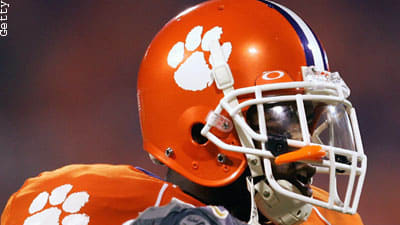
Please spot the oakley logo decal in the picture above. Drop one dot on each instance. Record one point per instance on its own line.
(273, 75)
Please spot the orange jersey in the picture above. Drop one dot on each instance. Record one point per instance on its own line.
(101, 194)
(318, 214)
(108, 195)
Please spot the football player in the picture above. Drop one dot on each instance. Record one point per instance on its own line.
(237, 99)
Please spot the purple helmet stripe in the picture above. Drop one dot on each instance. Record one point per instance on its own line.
(310, 55)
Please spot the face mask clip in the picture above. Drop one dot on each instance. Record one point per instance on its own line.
(220, 122)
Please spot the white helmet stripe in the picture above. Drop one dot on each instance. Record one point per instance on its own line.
(315, 55)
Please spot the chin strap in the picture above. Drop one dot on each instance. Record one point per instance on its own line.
(253, 211)
(280, 209)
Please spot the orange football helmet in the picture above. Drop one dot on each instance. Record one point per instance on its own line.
(213, 62)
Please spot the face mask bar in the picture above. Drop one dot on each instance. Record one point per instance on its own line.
(330, 93)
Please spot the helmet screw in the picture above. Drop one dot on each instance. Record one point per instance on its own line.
(266, 194)
(169, 152)
(221, 158)
(225, 125)
(254, 162)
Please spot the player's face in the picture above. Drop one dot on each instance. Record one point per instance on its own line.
(283, 124)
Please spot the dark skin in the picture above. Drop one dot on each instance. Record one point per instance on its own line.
(235, 196)
(283, 124)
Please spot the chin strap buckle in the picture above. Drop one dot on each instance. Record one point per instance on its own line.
(220, 70)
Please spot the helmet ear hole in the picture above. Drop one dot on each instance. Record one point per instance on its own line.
(196, 134)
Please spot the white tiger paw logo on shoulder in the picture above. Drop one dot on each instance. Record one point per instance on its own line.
(194, 73)
(59, 203)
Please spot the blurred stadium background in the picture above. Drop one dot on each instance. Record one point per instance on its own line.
(68, 85)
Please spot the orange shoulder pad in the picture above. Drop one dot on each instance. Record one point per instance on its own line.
(94, 194)
(331, 216)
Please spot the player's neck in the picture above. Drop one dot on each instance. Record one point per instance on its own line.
(233, 197)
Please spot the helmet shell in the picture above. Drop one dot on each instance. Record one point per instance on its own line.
(262, 38)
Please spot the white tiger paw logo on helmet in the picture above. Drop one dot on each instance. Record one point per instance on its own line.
(58, 202)
(194, 73)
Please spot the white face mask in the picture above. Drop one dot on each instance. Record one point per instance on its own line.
(317, 114)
